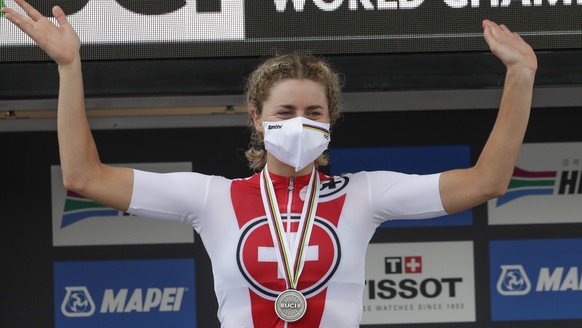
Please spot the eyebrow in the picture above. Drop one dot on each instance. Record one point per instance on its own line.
(311, 107)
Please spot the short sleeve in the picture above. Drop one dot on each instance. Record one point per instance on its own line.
(395, 196)
(170, 196)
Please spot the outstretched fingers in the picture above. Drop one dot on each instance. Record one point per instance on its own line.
(23, 22)
(61, 17)
(29, 10)
(58, 40)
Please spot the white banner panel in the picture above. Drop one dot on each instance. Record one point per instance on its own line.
(79, 221)
(419, 283)
(107, 22)
(546, 187)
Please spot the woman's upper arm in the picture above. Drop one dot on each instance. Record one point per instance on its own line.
(111, 186)
(463, 189)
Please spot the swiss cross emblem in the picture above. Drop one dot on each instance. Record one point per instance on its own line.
(258, 260)
(413, 264)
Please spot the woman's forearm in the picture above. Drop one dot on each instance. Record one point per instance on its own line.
(78, 153)
(489, 178)
(499, 156)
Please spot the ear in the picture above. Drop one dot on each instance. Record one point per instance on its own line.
(257, 120)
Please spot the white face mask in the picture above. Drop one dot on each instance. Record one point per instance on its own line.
(296, 142)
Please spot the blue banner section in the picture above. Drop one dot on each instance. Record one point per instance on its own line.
(412, 160)
(121, 294)
(536, 279)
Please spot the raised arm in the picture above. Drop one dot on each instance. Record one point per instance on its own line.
(490, 177)
(83, 172)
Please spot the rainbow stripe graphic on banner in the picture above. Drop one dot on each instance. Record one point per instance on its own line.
(78, 208)
(528, 183)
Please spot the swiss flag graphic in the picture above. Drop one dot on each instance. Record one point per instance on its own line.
(257, 255)
(413, 264)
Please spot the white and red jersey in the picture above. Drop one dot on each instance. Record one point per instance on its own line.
(230, 218)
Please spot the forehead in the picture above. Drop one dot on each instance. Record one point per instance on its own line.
(294, 91)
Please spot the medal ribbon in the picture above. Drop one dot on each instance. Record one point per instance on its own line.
(291, 262)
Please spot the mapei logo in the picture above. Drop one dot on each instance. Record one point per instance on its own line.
(514, 280)
(532, 183)
(79, 303)
(413, 284)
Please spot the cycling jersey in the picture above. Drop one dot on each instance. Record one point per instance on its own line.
(230, 218)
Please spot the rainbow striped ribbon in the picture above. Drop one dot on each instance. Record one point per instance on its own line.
(291, 262)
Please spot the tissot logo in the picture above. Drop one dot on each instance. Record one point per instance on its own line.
(410, 288)
(388, 289)
(411, 264)
(419, 283)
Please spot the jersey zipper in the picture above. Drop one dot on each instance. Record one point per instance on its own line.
(290, 189)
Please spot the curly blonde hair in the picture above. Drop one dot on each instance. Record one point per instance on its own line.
(282, 67)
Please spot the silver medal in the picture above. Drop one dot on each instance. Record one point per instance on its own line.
(290, 305)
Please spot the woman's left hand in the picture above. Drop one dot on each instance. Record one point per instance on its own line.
(509, 47)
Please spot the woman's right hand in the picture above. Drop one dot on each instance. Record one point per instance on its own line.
(60, 42)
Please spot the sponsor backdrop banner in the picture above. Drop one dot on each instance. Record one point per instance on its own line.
(121, 294)
(79, 221)
(411, 160)
(546, 187)
(190, 28)
(536, 279)
(419, 283)
(111, 21)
